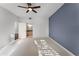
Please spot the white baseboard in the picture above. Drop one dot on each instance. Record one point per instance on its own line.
(63, 47)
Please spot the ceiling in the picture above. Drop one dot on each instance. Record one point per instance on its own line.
(46, 10)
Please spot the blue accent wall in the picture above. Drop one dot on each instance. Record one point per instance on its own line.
(64, 27)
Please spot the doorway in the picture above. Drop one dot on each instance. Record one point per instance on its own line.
(29, 30)
(23, 30)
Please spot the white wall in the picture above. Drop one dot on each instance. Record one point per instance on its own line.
(40, 26)
(7, 20)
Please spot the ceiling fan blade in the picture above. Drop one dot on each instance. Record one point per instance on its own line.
(29, 4)
(36, 7)
(34, 11)
(27, 11)
(22, 6)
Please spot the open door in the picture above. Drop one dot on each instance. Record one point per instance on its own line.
(22, 30)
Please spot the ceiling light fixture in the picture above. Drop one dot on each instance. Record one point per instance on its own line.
(30, 18)
(30, 9)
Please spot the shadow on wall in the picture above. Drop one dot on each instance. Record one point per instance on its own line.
(64, 27)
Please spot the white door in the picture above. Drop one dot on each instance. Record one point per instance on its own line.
(22, 30)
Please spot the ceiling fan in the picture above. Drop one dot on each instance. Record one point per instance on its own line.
(30, 8)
